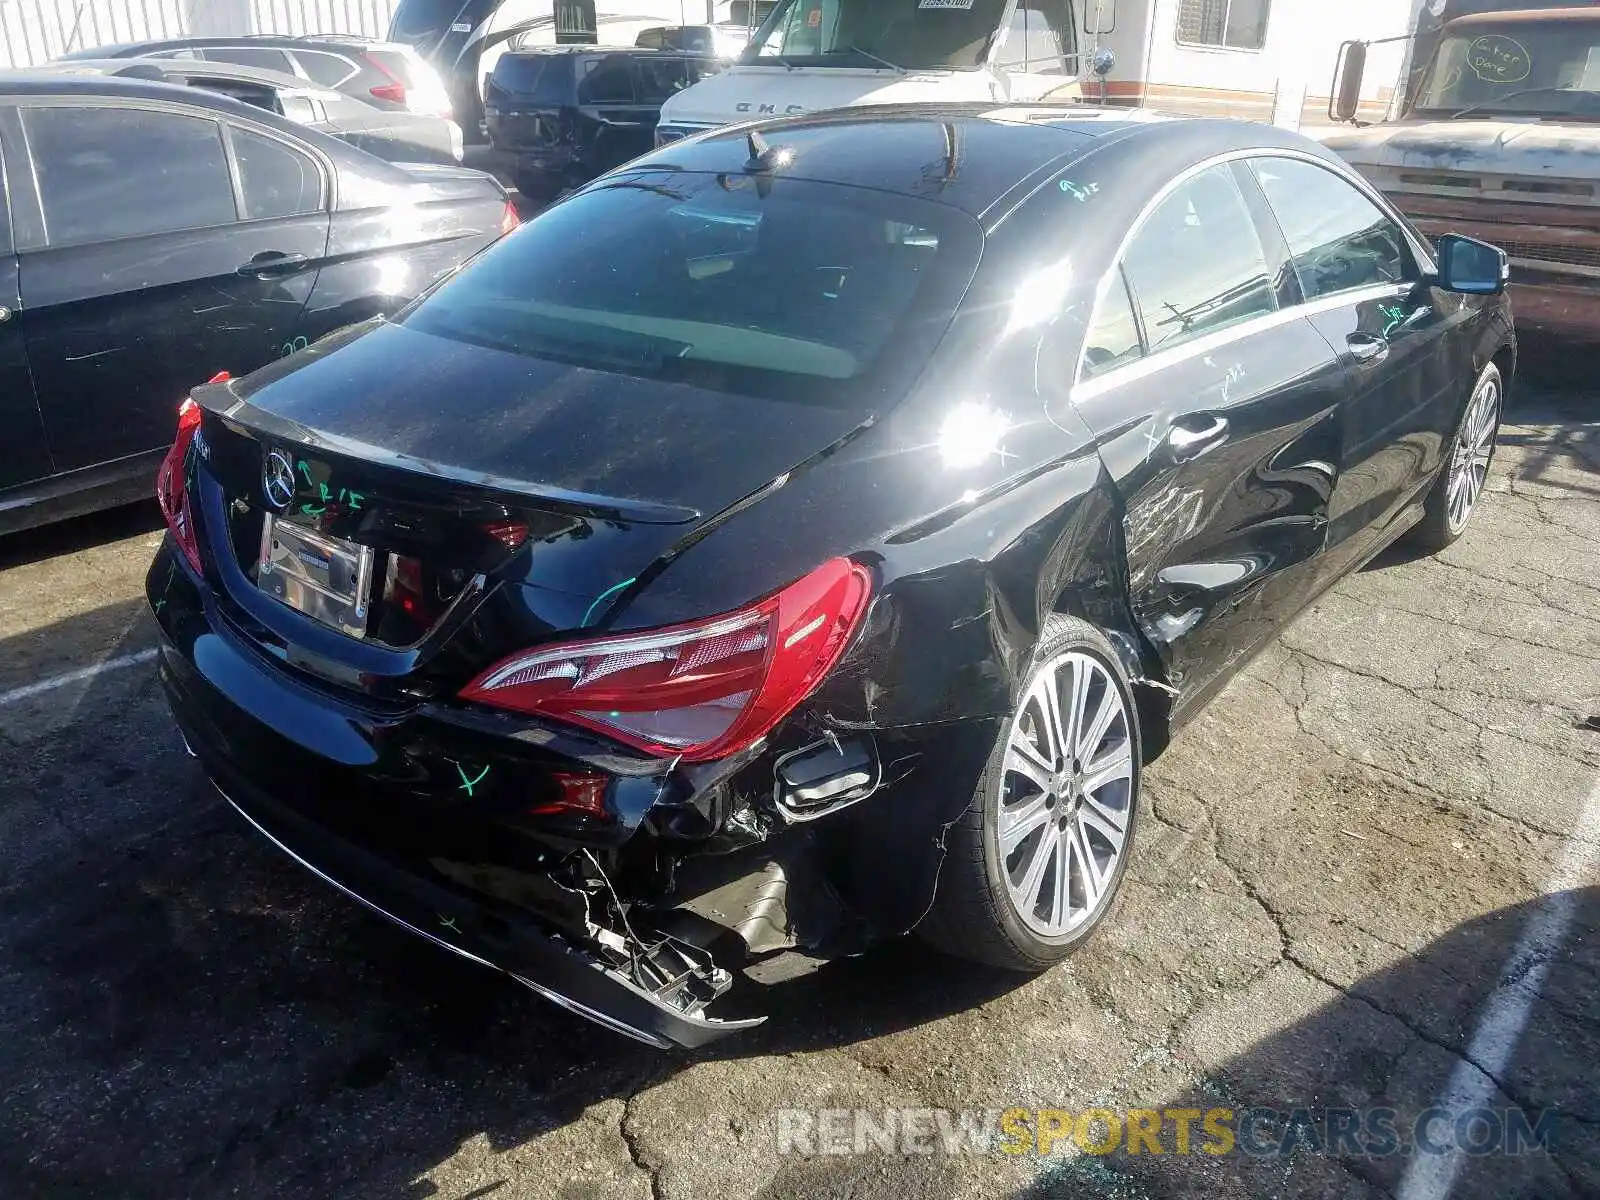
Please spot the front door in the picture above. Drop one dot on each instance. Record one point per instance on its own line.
(1221, 424)
(152, 271)
(1364, 291)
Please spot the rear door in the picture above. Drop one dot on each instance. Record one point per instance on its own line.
(615, 123)
(1218, 406)
(1362, 282)
(167, 250)
(24, 454)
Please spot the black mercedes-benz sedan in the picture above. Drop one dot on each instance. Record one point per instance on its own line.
(806, 534)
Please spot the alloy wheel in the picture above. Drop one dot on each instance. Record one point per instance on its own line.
(1474, 447)
(1066, 798)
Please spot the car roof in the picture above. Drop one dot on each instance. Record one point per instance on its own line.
(61, 81)
(640, 51)
(267, 41)
(972, 156)
(183, 67)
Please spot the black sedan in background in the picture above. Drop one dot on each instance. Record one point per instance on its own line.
(152, 236)
(807, 534)
(390, 134)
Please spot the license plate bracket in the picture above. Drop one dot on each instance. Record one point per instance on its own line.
(327, 578)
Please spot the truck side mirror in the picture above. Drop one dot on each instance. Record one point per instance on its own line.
(1472, 267)
(1102, 62)
(1349, 67)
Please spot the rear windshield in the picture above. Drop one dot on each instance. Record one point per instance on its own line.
(773, 287)
(539, 76)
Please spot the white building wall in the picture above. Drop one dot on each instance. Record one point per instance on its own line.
(1290, 76)
(34, 31)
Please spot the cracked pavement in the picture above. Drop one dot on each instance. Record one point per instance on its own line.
(1339, 861)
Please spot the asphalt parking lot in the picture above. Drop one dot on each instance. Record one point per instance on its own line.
(1368, 877)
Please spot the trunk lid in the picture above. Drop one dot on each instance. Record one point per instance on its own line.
(467, 471)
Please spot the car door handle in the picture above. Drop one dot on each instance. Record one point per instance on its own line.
(272, 262)
(1190, 437)
(1367, 347)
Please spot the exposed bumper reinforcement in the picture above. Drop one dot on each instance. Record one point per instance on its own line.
(543, 962)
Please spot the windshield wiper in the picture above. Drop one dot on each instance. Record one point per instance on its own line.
(1533, 91)
(877, 58)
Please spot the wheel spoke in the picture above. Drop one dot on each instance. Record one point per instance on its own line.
(1050, 726)
(1018, 821)
(1106, 822)
(1114, 764)
(1026, 760)
(1088, 869)
(1060, 882)
(1110, 706)
(1033, 877)
(1075, 715)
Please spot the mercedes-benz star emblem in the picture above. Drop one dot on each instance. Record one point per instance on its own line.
(277, 480)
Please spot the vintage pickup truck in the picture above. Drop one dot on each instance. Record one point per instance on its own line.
(1501, 141)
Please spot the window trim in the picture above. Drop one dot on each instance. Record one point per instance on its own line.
(1177, 38)
(1087, 388)
(113, 104)
(37, 238)
(1227, 170)
(322, 205)
(1426, 266)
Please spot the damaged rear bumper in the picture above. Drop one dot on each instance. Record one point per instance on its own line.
(553, 967)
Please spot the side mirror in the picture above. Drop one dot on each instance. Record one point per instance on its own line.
(1349, 68)
(1472, 267)
(1102, 62)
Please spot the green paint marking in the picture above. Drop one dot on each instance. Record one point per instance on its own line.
(355, 499)
(449, 923)
(160, 604)
(1395, 315)
(312, 510)
(610, 591)
(306, 471)
(468, 784)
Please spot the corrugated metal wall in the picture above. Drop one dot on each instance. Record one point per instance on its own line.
(33, 31)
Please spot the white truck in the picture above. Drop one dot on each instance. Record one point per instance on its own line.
(816, 54)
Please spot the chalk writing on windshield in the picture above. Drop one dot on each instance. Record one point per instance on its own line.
(1495, 58)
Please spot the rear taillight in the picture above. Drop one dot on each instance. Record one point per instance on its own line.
(172, 480)
(699, 691)
(172, 484)
(509, 219)
(394, 91)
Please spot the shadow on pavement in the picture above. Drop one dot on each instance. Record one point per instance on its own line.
(79, 533)
(1392, 1041)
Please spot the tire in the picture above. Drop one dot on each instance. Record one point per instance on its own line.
(1444, 519)
(981, 909)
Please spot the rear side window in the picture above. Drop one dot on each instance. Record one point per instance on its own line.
(801, 290)
(111, 173)
(330, 70)
(658, 79)
(541, 78)
(278, 180)
(609, 80)
(251, 56)
(1340, 240)
(1196, 264)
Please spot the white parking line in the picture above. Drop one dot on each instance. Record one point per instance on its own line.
(50, 685)
(1506, 1013)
